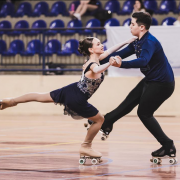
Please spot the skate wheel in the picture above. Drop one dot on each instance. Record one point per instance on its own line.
(155, 160)
(82, 161)
(94, 161)
(103, 138)
(85, 124)
(172, 161)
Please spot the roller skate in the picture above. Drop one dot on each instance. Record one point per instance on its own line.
(167, 151)
(86, 152)
(5, 103)
(88, 124)
(105, 132)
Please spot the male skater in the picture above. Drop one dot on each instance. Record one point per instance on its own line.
(157, 86)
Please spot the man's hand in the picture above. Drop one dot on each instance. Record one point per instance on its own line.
(116, 61)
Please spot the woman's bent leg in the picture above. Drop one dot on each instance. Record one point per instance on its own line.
(86, 149)
(95, 127)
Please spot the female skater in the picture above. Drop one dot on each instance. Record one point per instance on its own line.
(74, 96)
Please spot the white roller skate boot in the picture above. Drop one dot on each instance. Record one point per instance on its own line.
(86, 152)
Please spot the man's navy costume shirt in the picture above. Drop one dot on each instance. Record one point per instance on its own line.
(151, 59)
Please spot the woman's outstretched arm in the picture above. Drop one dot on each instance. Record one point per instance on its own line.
(115, 48)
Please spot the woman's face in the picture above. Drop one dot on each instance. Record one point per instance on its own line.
(97, 47)
(137, 5)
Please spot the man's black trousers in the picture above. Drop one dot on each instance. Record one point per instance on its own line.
(149, 96)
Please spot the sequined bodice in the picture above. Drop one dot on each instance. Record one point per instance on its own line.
(89, 86)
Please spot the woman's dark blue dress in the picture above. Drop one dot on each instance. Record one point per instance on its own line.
(74, 96)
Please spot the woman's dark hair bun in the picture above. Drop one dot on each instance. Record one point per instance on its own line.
(84, 45)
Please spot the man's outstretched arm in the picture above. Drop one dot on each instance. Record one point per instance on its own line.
(147, 52)
(127, 51)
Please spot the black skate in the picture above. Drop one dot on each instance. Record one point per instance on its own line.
(167, 151)
(105, 132)
(88, 124)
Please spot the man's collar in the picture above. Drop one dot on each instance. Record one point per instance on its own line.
(143, 37)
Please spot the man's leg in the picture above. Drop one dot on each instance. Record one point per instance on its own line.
(153, 96)
(124, 108)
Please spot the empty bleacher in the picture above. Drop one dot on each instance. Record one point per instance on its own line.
(34, 33)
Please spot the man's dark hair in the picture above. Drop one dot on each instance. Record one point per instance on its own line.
(143, 18)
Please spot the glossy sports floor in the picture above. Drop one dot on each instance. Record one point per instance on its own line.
(46, 148)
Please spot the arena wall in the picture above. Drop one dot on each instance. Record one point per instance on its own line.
(112, 91)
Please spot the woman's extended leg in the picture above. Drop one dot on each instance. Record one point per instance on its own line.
(38, 97)
(86, 149)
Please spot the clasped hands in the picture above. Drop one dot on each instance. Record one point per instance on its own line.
(115, 61)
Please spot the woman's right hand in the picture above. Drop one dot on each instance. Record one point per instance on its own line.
(115, 61)
(112, 60)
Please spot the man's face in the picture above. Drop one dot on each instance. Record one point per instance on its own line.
(135, 29)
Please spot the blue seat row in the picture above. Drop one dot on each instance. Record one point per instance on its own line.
(38, 26)
(36, 47)
(41, 8)
(25, 8)
(165, 7)
(59, 7)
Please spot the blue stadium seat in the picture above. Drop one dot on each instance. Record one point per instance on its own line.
(109, 22)
(166, 6)
(39, 24)
(7, 9)
(73, 24)
(113, 6)
(19, 25)
(53, 46)
(172, 6)
(168, 21)
(127, 7)
(34, 47)
(70, 47)
(3, 47)
(58, 8)
(24, 8)
(127, 22)
(55, 24)
(178, 10)
(154, 22)
(40, 8)
(16, 47)
(90, 24)
(151, 4)
(4, 25)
